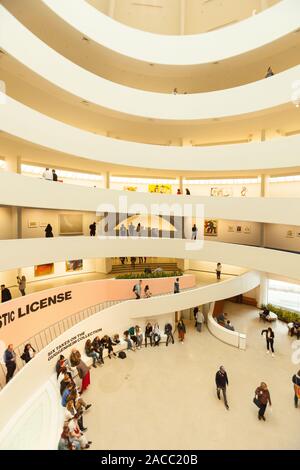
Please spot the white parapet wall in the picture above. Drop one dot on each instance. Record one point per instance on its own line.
(234, 338)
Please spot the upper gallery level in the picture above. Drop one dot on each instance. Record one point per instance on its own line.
(191, 63)
(21, 122)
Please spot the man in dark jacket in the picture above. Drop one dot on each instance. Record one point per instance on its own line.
(5, 294)
(296, 382)
(221, 383)
(10, 362)
(168, 332)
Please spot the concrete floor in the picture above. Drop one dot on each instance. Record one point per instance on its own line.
(164, 398)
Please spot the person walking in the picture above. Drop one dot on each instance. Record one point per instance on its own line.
(296, 382)
(48, 231)
(168, 332)
(148, 333)
(137, 289)
(22, 284)
(176, 286)
(84, 375)
(218, 271)
(270, 339)
(92, 228)
(195, 313)
(194, 232)
(221, 384)
(10, 362)
(181, 330)
(261, 399)
(5, 294)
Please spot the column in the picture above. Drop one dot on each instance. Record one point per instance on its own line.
(111, 9)
(263, 193)
(262, 297)
(181, 184)
(106, 177)
(182, 17)
(13, 164)
(103, 265)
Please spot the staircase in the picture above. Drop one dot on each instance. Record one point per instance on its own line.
(140, 267)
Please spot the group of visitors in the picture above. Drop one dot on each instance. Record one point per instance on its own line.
(187, 192)
(72, 436)
(10, 359)
(134, 335)
(50, 175)
(222, 320)
(137, 289)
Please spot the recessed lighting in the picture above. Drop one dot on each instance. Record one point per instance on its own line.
(151, 65)
(216, 63)
(84, 102)
(84, 38)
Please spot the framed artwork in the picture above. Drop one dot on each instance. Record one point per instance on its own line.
(210, 228)
(247, 229)
(290, 234)
(217, 191)
(160, 188)
(130, 188)
(239, 228)
(43, 269)
(32, 224)
(71, 224)
(298, 234)
(74, 265)
(230, 228)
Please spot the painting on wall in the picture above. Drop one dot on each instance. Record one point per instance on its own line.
(130, 188)
(244, 191)
(160, 188)
(247, 229)
(290, 234)
(70, 224)
(230, 228)
(217, 191)
(239, 228)
(43, 269)
(32, 224)
(210, 228)
(74, 265)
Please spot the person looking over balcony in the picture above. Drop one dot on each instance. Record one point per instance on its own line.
(48, 175)
(269, 73)
(48, 231)
(22, 284)
(5, 294)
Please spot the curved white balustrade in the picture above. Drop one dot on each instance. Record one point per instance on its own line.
(23, 122)
(19, 42)
(16, 397)
(234, 338)
(38, 193)
(33, 251)
(240, 38)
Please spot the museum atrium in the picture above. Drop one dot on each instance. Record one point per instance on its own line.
(149, 174)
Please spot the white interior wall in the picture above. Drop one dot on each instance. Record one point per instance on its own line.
(6, 223)
(276, 237)
(42, 216)
(252, 238)
(89, 266)
(253, 189)
(65, 180)
(284, 189)
(9, 277)
(209, 266)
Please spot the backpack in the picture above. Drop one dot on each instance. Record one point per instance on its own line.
(122, 355)
(168, 328)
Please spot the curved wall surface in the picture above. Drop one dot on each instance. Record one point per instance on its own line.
(34, 251)
(180, 50)
(19, 42)
(16, 397)
(25, 123)
(38, 193)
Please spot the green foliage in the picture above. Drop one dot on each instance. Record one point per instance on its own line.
(143, 275)
(284, 315)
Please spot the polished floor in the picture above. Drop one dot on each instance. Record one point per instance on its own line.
(164, 398)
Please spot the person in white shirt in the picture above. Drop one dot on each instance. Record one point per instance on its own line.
(219, 270)
(47, 175)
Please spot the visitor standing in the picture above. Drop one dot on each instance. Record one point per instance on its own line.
(48, 175)
(5, 294)
(10, 362)
(22, 284)
(148, 333)
(168, 332)
(200, 321)
(296, 382)
(194, 232)
(261, 399)
(219, 270)
(181, 330)
(54, 175)
(270, 339)
(84, 375)
(187, 192)
(93, 229)
(137, 289)
(29, 353)
(222, 383)
(176, 286)
(48, 231)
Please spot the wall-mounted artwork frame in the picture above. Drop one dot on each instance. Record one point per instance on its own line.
(210, 228)
(230, 228)
(239, 229)
(247, 229)
(70, 224)
(74, 265)
(290, 234)
(43, 269)
(32, 224)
